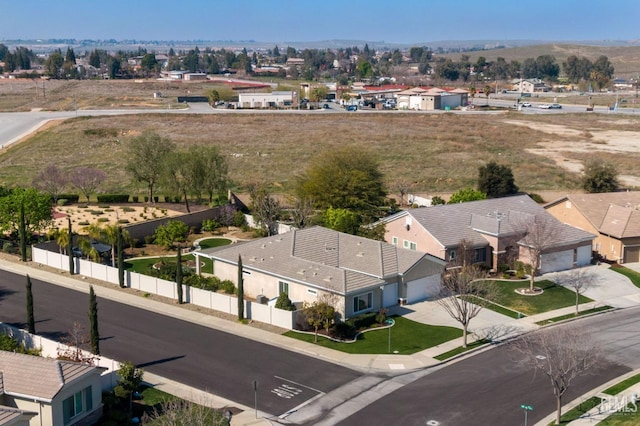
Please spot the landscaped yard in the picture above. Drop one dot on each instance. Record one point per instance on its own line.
(213, 242)
(554, 297)
(407, 337)
(629, 273)
(144, 266)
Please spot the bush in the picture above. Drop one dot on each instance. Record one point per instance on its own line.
(176, 199)
(123, 221)
(113, 198)
(7, 247)
(103, 206)
(210, 225)
(72, 198)
(128, 209)
(156, 198)
(381, 317)
(228, 287)
(96, 212)
(149, 239)
(537, 198)
(103, 219)
(239, 220)
(83, 223)
(167, 199)
(146, 198)
(135, 198)
(363, 321)
(284, 302)
(343, 331)
(204, 283)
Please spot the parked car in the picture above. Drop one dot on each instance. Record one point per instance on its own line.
(326, 106)
(352, 108)
(526, 105)
(543, 106)
(555, 106)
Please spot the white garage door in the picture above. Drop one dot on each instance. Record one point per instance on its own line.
(558, 261)
(423, 288)
(390, 295)
(584, 255)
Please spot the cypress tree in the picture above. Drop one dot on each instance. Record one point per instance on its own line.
(179, 274)
(70, 248)
(31, 323)
(240, 290)
(93, 322)
(120, 248)
(22, 231)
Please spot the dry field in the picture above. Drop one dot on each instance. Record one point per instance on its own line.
(111, 215)
(436, 153)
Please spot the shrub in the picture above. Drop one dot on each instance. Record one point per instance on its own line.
(123, 221)
(176, 199)
(113, 198)
(73, 198)
(96, 212)
(146, 198)
(62, 202)
(537, 198)
(363, 321)
(156, 198)
(83, 223)
(167, 199)
(83, 206)
(7, 247)
(108, 210)
(228, 287)
(149, 239)
(284, 302)
(205, 283)
(128, 209)
(209, 225)
(134, 198)
(381, 317)
(103, 219)
(343, 331)
(239, 220)
(103, 206)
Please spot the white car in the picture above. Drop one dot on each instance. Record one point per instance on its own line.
(543, 106)
(526, 105)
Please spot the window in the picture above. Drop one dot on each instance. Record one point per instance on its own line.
(480, 255)
(409, 245)
(77, 404)
(362, 302)
(395, 241)
(312, 291)
(283, 287)
(452, 255)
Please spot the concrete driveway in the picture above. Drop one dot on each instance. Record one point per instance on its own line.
(608, 287)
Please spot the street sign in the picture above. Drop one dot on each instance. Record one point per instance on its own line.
(526, 407)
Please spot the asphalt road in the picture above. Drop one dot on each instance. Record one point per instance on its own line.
(207, 359)
(488, 389)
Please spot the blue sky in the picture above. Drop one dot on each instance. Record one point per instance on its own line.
(400, 21)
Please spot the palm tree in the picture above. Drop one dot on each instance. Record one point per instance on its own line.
(61, 238)
(87, 248)
(94, 230)
(110, 235)
(487, 92)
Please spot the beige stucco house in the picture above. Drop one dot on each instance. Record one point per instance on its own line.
(358, 274)
(48, 391)
(497, 230)
(614, 217)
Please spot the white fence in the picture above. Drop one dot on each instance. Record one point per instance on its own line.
(51, 349)
(207, 299)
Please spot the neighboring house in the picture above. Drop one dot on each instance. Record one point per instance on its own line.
(13, 416)
(60, 393)
(434, 98)
(614, 217)
(277, 99)
(496, 228)
(359, 275)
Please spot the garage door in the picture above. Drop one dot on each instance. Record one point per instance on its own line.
(390, 295)
(631, 254)
(558, 261)
(424, 288)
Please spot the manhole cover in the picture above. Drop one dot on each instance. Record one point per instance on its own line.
(541, 357)
(432, 423)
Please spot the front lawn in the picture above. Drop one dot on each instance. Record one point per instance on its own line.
(213, 242)
(554, 297)
(407, 337)
(573, 315)
(460, 349)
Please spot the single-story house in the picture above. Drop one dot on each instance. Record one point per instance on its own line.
(358, 274)
(277, 99)
(613, 216)
(431, 99)
(61, 393)
(497, 230)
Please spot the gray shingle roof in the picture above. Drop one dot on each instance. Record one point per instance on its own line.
(612, 213)
(10, 415)
(37, 377)
(322, 258)
(451, 223)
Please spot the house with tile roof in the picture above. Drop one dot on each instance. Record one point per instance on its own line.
(57, 392)
(499, 231)
(359, 274)
(613, 216)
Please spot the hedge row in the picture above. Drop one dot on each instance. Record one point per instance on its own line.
(71, 198)
(113, 198)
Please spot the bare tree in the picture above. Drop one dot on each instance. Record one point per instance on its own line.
(301, 212)
(403, 187)
(464, 292)
(561, 354)
(177, 412)
(579, 280)
(87, 180)
(51, 180)
(539, 235)
(75, 346)
(265, 208)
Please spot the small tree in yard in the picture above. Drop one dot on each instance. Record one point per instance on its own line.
(284, 302)
(31, 324)
(319, 314)
(579, 280)
(539, 236)
(51, 181)
(464, 293)
(496, 180)
(174, 231)
(561, 354)
(130, 378)
(600, 176)
(87, 180)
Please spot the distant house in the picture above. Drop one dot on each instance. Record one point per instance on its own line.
(529, 85)
(359, 274)
(614, 217)
(496, 229)
(433, 98)
(45, 391)
(277, 99)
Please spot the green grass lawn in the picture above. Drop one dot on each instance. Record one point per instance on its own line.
(578, 411)
(573, 315)
(553, 297)
(623, 385)
(629, 273)
(500, 309)
(622, 419)
(407, 337)
(214, 242)
(143, 266)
